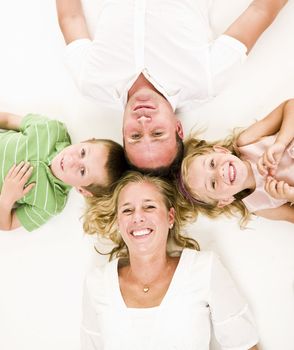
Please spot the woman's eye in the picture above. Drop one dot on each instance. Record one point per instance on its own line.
(82, 171)
(212, 164)
(83, 152)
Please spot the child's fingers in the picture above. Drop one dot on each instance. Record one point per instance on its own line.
(11, 171)
(25, 174)
(261, 167)
(23, 171)
(15, 169)
(28, 188)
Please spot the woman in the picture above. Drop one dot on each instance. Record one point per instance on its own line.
(149, 298)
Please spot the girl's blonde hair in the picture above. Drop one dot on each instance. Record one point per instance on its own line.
(195, 147)
(101, 214)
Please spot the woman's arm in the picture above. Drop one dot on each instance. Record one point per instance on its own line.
(10, 121)
(71, 20)
(283, 213)
(254, 21)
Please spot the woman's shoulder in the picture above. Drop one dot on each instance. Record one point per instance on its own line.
(198, 258)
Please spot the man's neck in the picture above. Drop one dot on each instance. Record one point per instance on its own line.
(140, 82)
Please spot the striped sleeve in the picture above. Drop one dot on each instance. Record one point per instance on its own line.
(32, 217)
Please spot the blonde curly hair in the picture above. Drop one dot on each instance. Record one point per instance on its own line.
(101, 214)
(195, 147)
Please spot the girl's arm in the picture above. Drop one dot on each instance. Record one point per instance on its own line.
(10, 121)
(283, 213)
(12, 190)
(71, 20)
(279, 120)
(254, 21)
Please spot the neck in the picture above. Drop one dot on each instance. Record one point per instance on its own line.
(140, 83)
(250, 181)
(147, 269)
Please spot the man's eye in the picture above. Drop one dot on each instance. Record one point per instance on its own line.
(157, 133)
(149, 207)
(135, 136)
(212, 164)
(82, 171)
(83, 152)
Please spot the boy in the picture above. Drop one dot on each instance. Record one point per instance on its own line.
(39, 166)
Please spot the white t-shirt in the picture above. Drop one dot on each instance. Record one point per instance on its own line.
(169, 41)
(201, 293)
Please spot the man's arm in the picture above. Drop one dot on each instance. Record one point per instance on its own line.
(10, 121)
(254, 21)
(71, 20)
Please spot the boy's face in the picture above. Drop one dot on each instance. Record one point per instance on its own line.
(81, 164)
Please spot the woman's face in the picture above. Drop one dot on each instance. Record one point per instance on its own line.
(143, 218)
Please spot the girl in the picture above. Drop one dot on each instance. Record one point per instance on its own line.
(253, 172)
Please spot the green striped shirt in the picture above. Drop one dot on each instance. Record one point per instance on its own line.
(38, 141)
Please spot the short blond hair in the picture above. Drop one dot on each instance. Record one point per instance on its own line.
(101, 214)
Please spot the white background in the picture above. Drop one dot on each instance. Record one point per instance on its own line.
(41, 273)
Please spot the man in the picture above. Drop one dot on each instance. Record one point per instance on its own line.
(151, 58)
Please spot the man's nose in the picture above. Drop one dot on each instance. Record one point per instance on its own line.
(144, 119)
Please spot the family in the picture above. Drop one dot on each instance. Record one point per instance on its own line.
(153, 59)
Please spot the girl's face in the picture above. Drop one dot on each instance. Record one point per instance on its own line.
(218, 176)
(143, 218)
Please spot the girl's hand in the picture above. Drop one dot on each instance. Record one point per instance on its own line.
(279, 189)
(13, 187)
(268, 162)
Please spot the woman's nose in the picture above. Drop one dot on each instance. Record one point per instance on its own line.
(138, 216)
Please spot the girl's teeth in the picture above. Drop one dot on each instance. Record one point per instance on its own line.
(231, 173)
(141, 232)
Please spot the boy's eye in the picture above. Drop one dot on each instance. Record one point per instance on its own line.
(83, 152)
(82, 171)
(212, 164)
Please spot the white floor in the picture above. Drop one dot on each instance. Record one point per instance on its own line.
(41, 273)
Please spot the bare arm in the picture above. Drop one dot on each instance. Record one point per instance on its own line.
(10, 121)
(254, 21)
(12, 190)
(280, 120)
(283, 213)
(71, 20)
(254, 348)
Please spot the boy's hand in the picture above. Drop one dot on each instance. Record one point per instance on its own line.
(13, 187)
(279, 189)
(268, 162)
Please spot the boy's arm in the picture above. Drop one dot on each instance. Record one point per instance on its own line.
(283, 213)
(254, 21)
(12, 190)
(71, 20)
(280, 120)
(10, 121)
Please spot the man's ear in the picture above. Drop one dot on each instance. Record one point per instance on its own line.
(223, 202)
(220, 149)
(84, 192)
(179, 129)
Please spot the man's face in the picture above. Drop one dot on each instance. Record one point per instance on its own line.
(149, 130)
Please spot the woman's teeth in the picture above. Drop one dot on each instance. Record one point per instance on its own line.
(143, 232)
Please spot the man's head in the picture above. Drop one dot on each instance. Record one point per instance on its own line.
(91, 166)
(152, 133)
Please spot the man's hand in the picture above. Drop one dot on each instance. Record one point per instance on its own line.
(269, 161)
(279, 189)
(13, 187)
